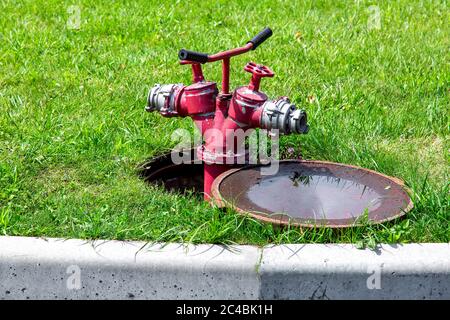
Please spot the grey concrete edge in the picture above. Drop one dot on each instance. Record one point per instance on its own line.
(50, 268)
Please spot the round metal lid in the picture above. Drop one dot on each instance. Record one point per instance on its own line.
(313, 194)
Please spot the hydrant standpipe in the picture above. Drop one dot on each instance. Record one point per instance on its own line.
(219, 115)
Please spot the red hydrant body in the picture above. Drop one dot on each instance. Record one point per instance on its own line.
(220, 116)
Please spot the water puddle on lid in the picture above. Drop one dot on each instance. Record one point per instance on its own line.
(313, 196)
(313, 193)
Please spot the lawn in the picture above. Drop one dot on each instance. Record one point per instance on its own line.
(73, 128)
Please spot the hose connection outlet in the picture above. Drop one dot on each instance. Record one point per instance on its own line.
(162, 98)
(284, 116)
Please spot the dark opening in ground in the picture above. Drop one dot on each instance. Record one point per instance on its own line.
(182, 178)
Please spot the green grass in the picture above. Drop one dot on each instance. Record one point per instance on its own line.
(73, 128)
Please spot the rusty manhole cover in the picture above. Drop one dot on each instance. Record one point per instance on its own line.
(313, 193)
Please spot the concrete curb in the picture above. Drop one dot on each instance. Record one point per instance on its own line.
(34, 268)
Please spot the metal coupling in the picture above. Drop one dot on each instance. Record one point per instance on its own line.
(284, 116)
(162, 98)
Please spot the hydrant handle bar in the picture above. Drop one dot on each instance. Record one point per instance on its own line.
(193, 56)
(188, 55)
(261, 37)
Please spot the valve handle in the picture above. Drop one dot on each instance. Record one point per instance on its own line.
(261, 37)
(193, 56)
(200, 57)
(258, 71)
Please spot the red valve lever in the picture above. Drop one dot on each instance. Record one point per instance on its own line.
(258, 71)
(187, 56)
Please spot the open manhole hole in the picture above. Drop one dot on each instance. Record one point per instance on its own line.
(181, 178)
(313, 193)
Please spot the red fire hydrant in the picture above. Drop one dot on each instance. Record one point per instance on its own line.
(220, 115)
